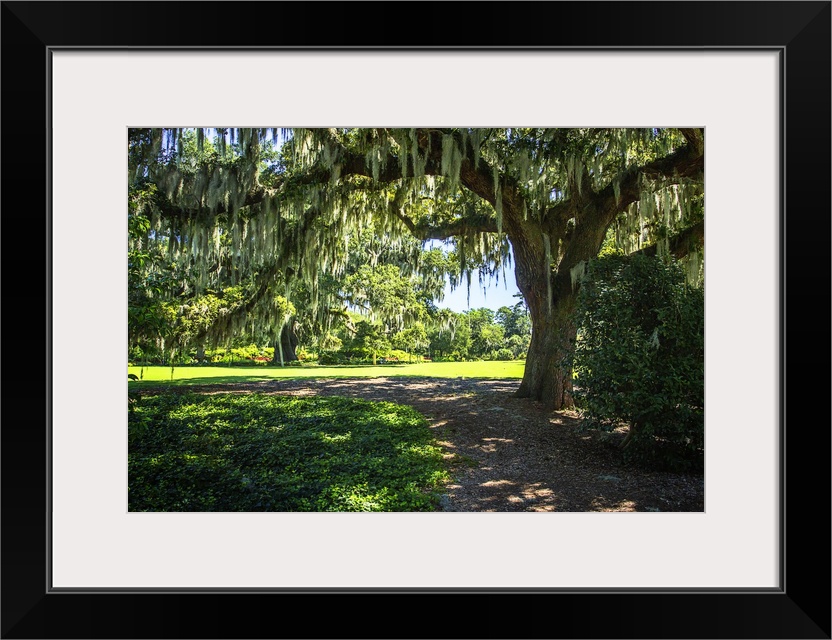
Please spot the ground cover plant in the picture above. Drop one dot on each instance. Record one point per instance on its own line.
(256, 452)
(201, 374)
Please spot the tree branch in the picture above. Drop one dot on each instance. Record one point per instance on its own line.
(598, 210)
(695, 138)
(680, 244)
(686, 162)
(475, 224)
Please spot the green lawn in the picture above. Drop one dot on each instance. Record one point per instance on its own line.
(202, 374)
(254, 452)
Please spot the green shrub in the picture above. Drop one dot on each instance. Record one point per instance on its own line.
(639, 359)
(332, 357)
(397, 355)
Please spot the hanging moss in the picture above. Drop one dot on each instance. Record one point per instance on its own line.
(296, 226)
(577, 273)
(547, 247)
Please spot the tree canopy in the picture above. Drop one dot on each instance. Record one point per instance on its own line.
(280, 209)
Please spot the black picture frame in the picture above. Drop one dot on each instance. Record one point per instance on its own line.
(800, 31)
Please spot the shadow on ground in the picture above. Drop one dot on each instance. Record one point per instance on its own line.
(508, 454)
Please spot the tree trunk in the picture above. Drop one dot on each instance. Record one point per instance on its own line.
(285, 344)
(548, 373)
(551, 300)
(633, 431)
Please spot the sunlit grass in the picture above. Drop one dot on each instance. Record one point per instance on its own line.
(202, 374)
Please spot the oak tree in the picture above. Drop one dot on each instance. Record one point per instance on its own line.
(283, 204)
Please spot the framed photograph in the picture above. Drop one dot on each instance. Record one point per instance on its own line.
(754, 76)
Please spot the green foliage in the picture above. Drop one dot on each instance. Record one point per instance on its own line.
(518, 345)
(450, 336)
(412, 340)
(483, 334)
(234, 452)
(488, 339)
(402, 357)
(332, 357)
(369, 341)
(149, 317)
(383, 293)
(639, 358)
(515, 320)
(199, 315)
(461, 343)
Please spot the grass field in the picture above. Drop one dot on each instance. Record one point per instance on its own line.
(202, 374)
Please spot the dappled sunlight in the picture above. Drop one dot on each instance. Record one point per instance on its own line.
(335, 439)
(492, 444)
(497, 483)
(600, 503)
(280, 453)
(503, 495)
(498, 494)
(539, 497)
(537, 490)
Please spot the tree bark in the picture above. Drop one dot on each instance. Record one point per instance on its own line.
(547, 377)
(286, 343)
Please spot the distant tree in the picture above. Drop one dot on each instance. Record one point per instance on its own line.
(515, 320)
(517, 325)
(488, 339)
(382, 293)
(518, 345)
(461, 341)
(412, 340)
(370, 341)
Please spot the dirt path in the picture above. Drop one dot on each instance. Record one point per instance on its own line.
(510, 454)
